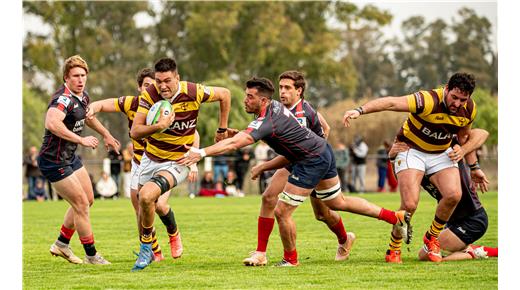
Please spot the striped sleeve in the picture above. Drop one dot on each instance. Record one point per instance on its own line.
(205, 93)
(144, 104)
(119, 104)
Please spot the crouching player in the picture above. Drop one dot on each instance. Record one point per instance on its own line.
(469, 221)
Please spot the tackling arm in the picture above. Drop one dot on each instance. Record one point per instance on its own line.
(324, 125)
(398, 104)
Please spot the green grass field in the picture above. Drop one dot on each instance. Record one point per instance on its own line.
(218, 233)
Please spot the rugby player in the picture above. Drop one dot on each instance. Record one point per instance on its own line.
(128, 105)
(64, 123)
(469, 220)
(435, 116)
(291, 88)
(310, 156)
(159, 172)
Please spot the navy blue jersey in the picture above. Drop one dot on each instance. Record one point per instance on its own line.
(307, 116)
(54, 148)
(280, 129)
(469, 202)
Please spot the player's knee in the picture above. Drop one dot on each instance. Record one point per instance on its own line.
(146, 198)
(319, 216)
(409, 205)
(452, 197)
(279, 213)
(269, 198)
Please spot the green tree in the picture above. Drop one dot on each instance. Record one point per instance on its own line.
(472, 49)
(487, 114)
(33, 115)
(207, 123)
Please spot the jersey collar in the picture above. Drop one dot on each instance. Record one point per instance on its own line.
(177, 92)
(80, 98)
(296, 104)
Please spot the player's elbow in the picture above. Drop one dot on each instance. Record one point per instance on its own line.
(134, 134)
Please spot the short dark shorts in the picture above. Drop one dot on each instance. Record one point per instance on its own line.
(309, 172)
(471, 228)
(55, 172)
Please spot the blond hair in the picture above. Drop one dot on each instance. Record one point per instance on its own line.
(72, 62)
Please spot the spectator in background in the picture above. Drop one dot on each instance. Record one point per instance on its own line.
(261, 151)
(32, 172)
(128, 154)
(342, 161)
(230, 184)
(208, 185)
(106, 186)
(242, 166)
(115, 166)
(220, 168)
(39, 190)
(96, 193)
(359, 152)
(382, 166)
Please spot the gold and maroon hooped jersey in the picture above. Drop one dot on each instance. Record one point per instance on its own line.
(169, 145)
(128, 105)
(430, 125)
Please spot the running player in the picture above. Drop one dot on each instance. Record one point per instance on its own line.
(58, 162)
(159, 171)
(469, 220)
(435, 116)
(291, 88)
(128, 105)
(310, 156)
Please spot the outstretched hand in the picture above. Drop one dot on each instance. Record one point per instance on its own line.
(230, 132)
(480, 180)
(256, 171)
(350, 114)
(191, 157)
(111, 142)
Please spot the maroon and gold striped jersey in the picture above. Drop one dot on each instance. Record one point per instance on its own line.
(169, 145)
(430, 125)
(128, 105)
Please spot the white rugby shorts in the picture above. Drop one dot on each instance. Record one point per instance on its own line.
(134, 176)
(149, 168)
(425, 162)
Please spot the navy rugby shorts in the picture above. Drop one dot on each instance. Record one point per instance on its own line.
(471, 228)
(55, 172)
(309, 172)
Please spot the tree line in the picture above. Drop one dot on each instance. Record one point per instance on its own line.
(340, 47)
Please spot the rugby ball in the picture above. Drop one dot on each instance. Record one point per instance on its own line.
(155, 111)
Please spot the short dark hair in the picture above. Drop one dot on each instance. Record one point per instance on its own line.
(165, 65)
(142, 74)
(263, 85)
(465, 82)
(297, 77)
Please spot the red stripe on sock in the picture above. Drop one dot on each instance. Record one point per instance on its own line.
(388, 216)
(265, 227)
(492, 252)
(66, 232)
(87, 240)
(340, 232)
(290, 256)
